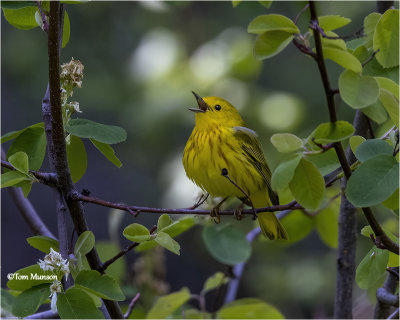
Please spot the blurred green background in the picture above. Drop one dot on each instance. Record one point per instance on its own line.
(142, 60)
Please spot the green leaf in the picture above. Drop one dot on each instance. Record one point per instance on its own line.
(32, 141)
(7, 301)
(166, 305)
(391, 105)
(43, 243)
(327, 224)
(137, 233)
(11, 178)
(163, 222)
(235, 3)
(266, 4)
(373, 181)
(371, 148)
(75, 303)
(332, 22)
(77, 157)
(89, 129)
(286, 142)
(272, 22)
(17, 4)
(23, 18)
(106, 251)
(284, 173)
(23, 281)
(389, 85)
(174, 229)
(356, 90)
(298, 225)
(270, 43)
(393, 201)
(342, 58)
(370, 22)
(226, 244)
(85, 243)
(333, 43)
(66, 30)
(372, 267)
(373, 68)
(393, 260)
(376, 112)
(102, 286)
(13, 134)
(307, 185)
(25, 186)
(386, 39)
(20, 162)
(355, 141)
(326, 161)
(108, 152)
(249, 308)
(214, 281)
(166, 241)
(333, 131)
(30, 300)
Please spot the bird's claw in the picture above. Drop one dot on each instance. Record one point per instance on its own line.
(215, 215)
(237, 214)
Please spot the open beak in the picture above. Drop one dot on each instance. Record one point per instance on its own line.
(200, 102)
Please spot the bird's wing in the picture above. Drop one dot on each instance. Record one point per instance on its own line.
(255, 156)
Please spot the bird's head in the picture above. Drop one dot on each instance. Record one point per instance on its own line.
(213, 111)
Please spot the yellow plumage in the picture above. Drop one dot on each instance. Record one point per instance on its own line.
(221, 139)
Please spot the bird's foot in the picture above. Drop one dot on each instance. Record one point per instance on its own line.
(215, 214)
(237, 214)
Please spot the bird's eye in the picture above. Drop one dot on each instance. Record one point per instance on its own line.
(217, 107)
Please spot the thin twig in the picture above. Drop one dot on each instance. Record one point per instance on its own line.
(131, 306)
(296, 19)
(370, 58)
(394, 315)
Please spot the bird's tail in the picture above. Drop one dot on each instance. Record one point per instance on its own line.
(271, 226)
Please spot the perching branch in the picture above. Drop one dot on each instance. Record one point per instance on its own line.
(386, 297)
(58, 151)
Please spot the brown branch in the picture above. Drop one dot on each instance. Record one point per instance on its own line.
(58, 151)
(131, 306)
(386, 297)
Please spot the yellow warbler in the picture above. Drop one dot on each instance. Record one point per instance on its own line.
(224, 158)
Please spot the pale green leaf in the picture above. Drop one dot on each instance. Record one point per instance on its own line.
(332, 22)
(372, 267)
(137, 233)
(66, 30)
(214, 281)
(166, 241)
(373, 181)
(326, 161)
(22, 18)
(249, 308)
(286, 142)
(107, 151)
(307, 185)
(163, 222)
(333, 43)
(20, 162)
(32, 141)
(284, 173)
(386, 39)
(266, 4)
(43, 243)
(327, 223)
(391, 105)
(85, 243)
(376, 112)
(11, 178)
(25, 281)
(393, 201)
(342, 58)
(270, 43)
(13, 134)
(389, 85)
(333, 131)
(355, 141)
(356, 90)
(272, 22)
(166, 305)
(298, 225)
(370, 22)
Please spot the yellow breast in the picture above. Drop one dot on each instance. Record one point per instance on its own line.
(207, 152)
